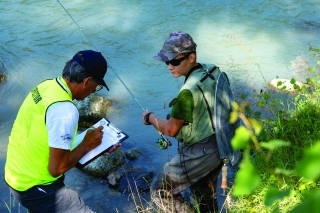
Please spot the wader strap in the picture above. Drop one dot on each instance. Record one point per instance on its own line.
(208, 108)
(209, 74)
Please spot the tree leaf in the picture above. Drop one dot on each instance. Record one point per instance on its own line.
(255, 125)
(310, 203)
(241, 138)
(247, 178)
(309, 166)
(273, 195)
(276, 210)
(312, 69)
(233, 117)
(235, 106)
(293, 81)
(284, 172)
(274, 144)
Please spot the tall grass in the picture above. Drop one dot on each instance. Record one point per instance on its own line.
(281, 152)
(13, 206)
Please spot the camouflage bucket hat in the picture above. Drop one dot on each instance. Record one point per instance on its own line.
(176, 43)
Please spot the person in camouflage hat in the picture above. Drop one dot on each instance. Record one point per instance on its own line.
(197, 163)
(40, 144)
(175, 44)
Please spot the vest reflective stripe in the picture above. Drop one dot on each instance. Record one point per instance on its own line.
(201, 126)
(28, 149)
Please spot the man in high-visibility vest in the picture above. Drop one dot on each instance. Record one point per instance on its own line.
(39, 149)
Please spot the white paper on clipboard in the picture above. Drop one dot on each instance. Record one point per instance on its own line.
(111, 136)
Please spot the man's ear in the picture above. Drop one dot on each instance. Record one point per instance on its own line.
(86, 80)
(192, 57)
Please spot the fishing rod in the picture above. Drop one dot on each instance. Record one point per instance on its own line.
(163, 141)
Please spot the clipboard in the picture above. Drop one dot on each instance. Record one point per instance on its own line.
(111, 136)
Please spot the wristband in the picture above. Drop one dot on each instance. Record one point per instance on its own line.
(146, 117)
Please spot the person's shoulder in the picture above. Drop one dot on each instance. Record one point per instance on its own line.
(62, 110)
(184, 94)
(63, 106)
(208, 66)
(63, 103)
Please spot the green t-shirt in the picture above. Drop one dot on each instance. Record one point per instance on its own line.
(182, 106)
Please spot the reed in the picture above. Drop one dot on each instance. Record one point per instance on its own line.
(13, 206)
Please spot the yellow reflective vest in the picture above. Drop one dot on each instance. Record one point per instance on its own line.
(28, 148)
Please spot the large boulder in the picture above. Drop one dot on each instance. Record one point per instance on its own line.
(91, 110)
(104, 164)
(287, 85)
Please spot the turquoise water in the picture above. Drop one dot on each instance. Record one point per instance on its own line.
(252, 41)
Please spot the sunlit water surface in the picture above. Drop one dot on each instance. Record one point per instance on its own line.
(252, 41)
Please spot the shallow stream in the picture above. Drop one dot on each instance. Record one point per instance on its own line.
(252, 41)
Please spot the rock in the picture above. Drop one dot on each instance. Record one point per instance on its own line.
(91, 110)
(104, 164)
(135, 175)
(133, 154)
(138, 180)
(2, 74)
(286, 85)
(143, 181)
(2, 78)
(113, 179)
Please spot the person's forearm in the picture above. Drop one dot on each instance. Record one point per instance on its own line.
(62, 161)
(163, 126)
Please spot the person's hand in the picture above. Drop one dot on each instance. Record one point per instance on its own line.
(114, 147)
(93, 137)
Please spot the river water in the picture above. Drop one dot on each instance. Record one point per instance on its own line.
(252, 41)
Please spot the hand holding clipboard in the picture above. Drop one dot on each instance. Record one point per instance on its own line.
(111, 136)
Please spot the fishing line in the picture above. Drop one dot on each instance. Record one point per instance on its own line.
(163, 138)
(86, 38)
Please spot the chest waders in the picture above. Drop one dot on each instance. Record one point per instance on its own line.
(200, 88)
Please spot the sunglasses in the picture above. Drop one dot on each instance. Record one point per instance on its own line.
(177, 62)
(98, 87)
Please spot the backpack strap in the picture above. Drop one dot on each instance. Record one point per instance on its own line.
(210, 75)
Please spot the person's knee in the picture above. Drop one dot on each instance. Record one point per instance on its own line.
(70, 200)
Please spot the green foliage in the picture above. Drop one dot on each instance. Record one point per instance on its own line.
(279, 171)
(280, 168)
(310, 204)
(309, 166)
(274, 144)
(241, 138)
(273, 195)
(247, 177)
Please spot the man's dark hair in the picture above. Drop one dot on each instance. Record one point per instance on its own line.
(75, 73)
